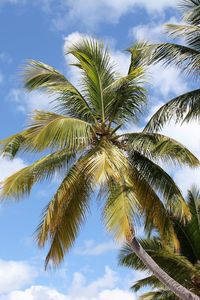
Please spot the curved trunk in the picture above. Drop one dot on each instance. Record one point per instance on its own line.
(169, 282)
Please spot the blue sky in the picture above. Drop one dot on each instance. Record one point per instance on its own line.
(42, 31)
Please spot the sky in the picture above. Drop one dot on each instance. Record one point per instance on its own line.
(41, 30)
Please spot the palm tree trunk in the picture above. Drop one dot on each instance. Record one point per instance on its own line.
(169, 282)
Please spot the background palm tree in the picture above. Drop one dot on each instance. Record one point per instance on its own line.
(183, 266)
(186, 57)
(85, 145)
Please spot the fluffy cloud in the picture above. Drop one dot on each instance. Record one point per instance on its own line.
(35, 293)
(167, 81)
(27, 102)
(111, 11)
(92, 249)
(153, 32)
(15, 275)
(103, 288)
(7, 166)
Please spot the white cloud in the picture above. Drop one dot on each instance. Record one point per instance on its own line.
(92, 249)
(15, 275)
(152, 32)
(7, 166)
(27, 102)
(35, 293)
(103, 288)
(188, 135)
(111, 11)
(167, 81)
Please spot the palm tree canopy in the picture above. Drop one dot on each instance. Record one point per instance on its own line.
(82, 140)
(183, 265)
(186, 57)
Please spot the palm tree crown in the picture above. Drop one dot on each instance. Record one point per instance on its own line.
(183, 266)
(83, 141)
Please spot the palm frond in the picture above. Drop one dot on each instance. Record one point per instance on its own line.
(64, 215)
(162, 183)
(151, 281)
(182, 108)
(10, 146)
(38, 75)
(94, 61)
(119, 210)
(125, 97)
(189, 234)
(157, 218)
(192, 11)
(181, 56)
(20, 183)
(174, 264)
(161, 294)
(66, 211)
(160, 147)
(50, 130)
(190, 33)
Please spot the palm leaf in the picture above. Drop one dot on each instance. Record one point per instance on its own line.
(50, 130)
(119, 210)
(185, 107)
(162, 183)
(157, 146)
(38, 75)
(190, 33)
(125, 97)
(192, 11)
(174, 264)
(21, 182)
(10, 146)
(94, 61)
(151, 281)
(161, 294)
(181, 56)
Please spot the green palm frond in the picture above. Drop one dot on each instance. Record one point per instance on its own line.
(64, 215)
(68, 207)
(190, 33)
(162, 183)
(50, 130)
(182, 108)
(94, 61)
(125, 97)
(157, 146)
(10, 146)
(119, 210)
(157, 218)
(174, 264)
(161, 294)
(189, 235)
(192, 11)
(145, 282)
(181, 56)
(21, 182)
(38, 75)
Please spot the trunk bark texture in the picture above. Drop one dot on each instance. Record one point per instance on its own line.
(179, 290)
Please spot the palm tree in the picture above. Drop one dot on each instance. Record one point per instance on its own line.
(186, 57)
(183, 266)
(86, 147)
